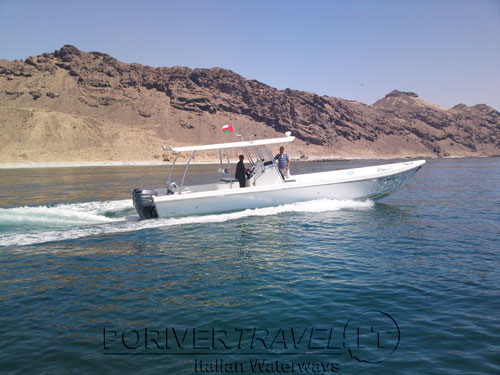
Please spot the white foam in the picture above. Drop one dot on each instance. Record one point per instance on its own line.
(91, 213)
(79, 213)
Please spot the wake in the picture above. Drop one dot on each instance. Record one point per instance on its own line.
(42, 224)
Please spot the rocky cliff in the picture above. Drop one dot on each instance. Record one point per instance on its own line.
(72, 105)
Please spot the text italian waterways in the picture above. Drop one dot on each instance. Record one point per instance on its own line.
(259, 366)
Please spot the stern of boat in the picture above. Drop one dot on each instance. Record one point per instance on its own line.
(144, 203)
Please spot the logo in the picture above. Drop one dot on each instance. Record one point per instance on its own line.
(371, 336)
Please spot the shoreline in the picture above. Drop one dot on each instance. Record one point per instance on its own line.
(77, 164)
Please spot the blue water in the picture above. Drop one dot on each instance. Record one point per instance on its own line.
(408, 285)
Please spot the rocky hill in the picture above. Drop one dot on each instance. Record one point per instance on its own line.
(72, 105)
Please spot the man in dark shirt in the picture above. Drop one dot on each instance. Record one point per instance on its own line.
(241, 172)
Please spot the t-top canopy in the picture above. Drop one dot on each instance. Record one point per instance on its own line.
(219, 146)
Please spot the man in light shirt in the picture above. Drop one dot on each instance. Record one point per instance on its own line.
(283, 163)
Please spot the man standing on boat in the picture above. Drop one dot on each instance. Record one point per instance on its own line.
(241, 172)
(283, 163)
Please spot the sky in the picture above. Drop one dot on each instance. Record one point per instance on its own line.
(446, 51)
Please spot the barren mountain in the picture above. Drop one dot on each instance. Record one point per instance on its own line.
(72, 105)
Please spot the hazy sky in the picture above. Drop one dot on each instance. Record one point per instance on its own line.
(447, 51)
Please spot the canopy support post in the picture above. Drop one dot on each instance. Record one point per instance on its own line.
(229, 170)
(172, 167)
(220, 158)
(185, 171)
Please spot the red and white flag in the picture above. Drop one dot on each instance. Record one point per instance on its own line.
(228, 128)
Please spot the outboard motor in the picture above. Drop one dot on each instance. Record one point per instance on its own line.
(144, 203)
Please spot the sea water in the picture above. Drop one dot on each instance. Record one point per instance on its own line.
(407, 285)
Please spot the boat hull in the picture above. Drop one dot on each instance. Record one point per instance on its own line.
(372, 188)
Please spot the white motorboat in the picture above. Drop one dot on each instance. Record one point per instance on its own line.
(265, 186)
